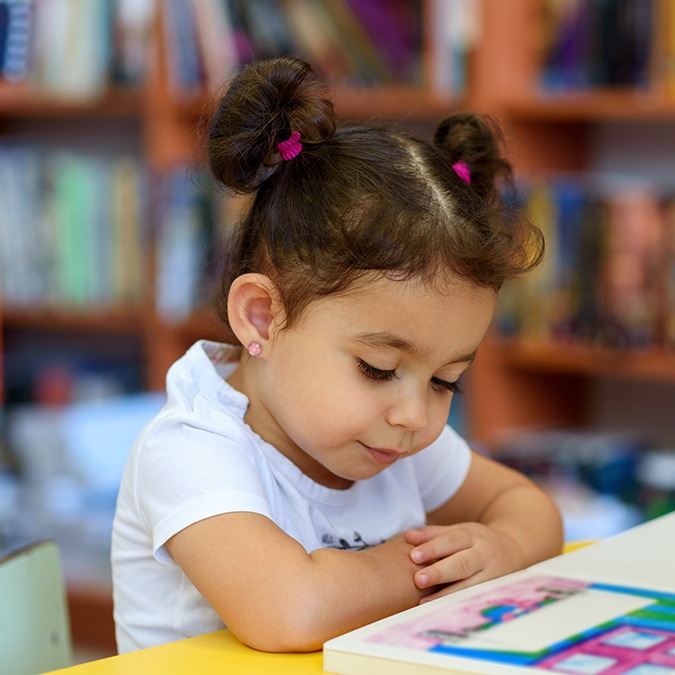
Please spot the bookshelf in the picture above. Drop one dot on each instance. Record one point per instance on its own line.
(547, 132)
(527, 382)
(514, 382)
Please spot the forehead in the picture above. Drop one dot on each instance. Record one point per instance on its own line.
(382, 311)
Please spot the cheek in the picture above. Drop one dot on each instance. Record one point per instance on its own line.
(438, 417)
(345, 410)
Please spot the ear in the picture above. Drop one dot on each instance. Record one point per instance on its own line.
(254, 308)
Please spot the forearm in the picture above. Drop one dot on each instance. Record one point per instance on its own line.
(329, 593)
(274, 596)
(529, 518)
(353, 588)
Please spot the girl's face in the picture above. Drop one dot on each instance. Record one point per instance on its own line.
(366, 378)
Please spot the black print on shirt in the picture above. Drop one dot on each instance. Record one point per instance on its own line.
(357, 544)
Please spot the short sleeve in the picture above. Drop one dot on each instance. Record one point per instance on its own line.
(185, 474)
(441, 468)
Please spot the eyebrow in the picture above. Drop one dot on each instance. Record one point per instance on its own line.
(392, 341)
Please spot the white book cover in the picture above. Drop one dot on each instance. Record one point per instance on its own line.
(607, 609)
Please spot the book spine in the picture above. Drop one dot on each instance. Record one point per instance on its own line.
(70, 229)
(606, 44)
(186, 77)
(127, 241)
(180, 249)
(391, 33)
(608, 275)
(15, 37)
(215, 40)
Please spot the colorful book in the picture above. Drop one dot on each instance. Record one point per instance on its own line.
(215, 39)
(606, 609)
(394, 27)
(632, 267)
(15, 38)
(186, 75)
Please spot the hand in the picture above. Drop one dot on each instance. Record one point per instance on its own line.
(458, 556)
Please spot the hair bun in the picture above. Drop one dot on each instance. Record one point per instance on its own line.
(263, 105)
(476, 141)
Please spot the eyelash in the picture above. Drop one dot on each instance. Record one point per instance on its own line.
(379, 375)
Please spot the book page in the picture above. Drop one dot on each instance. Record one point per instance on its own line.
(539, 621)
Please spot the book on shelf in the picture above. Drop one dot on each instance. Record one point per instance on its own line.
(369, 65)
(131, 38)
(15, 30)
(127, 256)
(605, 278)
(598, 44)
(668, 298)
(456, 26)
(666, 36)
(75, 49)
(182, 244)
(605, 609)
(217, 49)
(633, 268)
(395, 30)
(72, 229)
(357, 42)
(71, 48)
(319, 39)
(186, 74)
(265, 29)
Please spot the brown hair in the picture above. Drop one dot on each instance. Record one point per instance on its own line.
(358, 199)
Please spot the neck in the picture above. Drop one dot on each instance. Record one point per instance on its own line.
(259, 418)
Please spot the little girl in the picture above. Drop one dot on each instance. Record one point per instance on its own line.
(302, 481)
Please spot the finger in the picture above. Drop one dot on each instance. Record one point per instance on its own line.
(448, 570)
(417, 536)
(445, 542)
(421, 534)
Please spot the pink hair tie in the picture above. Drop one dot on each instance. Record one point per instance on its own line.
(462, 170)
(290, 148)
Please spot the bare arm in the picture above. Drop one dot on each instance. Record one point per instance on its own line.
(275, 597)
(502, 522)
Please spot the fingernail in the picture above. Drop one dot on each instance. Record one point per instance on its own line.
(417, 556)
(422, 579)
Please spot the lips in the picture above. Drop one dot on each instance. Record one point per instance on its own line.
(381, 455)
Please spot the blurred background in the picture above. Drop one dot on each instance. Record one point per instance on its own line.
(110, 233)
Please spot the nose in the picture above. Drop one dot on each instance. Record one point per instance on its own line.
(410, 410)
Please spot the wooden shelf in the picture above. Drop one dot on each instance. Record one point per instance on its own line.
(398, 103)
(116, 320)
(22, 101)
(587, 360)
(201, 324)
(389, 102)
(618, 105)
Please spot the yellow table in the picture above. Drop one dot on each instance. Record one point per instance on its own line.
(214, 653)
(208, 654)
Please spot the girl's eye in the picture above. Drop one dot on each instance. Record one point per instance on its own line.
(443, 385)
(375, 373)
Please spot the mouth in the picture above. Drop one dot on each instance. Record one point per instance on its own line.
(383, 455)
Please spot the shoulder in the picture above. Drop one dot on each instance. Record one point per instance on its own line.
(200, 433)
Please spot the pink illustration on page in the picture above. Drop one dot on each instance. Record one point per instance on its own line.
(478, 613)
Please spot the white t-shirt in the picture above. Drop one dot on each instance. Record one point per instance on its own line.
(198, 458)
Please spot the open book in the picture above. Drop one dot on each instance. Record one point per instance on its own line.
(607, 609)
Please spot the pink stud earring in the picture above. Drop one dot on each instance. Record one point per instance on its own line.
(254, 349)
